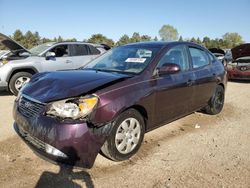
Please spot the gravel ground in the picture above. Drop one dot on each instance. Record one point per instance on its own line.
(196, 151)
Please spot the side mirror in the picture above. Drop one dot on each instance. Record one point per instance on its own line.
(169, 68)
(24, 54)
(49, 55)
(4, 57)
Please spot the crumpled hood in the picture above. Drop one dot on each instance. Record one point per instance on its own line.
(240, 51)
(52, 86)
(11, 44)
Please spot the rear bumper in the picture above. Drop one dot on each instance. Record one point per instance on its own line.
(237, 74)
(78, 142)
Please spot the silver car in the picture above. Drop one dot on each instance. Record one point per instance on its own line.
(18, 67)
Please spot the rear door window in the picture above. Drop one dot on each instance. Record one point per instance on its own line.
(93, 50)
(79, 50)
(199, 57)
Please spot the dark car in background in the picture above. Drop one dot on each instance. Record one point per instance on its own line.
(108, 105)
(239, 66)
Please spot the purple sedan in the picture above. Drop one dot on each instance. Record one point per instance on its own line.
(108, 105)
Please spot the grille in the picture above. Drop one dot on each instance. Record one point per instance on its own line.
(32, 140)
(29, 108)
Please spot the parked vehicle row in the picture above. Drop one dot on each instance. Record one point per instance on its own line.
(238, 66)
(110, 103)
(20, 64)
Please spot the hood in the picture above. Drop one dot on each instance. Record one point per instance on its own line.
(11, 44)
(52, 86)
(217, 51)
(240, 51)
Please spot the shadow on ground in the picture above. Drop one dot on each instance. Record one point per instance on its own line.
(5, 93)
(240, 81)
(66, 176)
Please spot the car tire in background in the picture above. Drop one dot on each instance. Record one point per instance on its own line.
(216, 103)
(18, 80)
(126, 136)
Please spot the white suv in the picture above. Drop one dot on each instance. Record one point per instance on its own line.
(17, 68)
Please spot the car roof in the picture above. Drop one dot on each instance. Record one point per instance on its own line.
(161, 44)
(77, 42)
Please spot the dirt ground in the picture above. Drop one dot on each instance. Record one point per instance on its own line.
(214, 154)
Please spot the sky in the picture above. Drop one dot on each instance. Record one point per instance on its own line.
(113, 18)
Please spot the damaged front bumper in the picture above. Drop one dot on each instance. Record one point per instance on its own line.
(74, 144)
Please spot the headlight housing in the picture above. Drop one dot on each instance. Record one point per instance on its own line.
(3, 62)
(73, 108)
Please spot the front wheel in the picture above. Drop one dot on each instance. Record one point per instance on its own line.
(18, 80)
(216, 103)
(126, 136)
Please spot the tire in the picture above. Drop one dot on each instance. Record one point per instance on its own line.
(123, 133)
(216, 103)
(18, 79)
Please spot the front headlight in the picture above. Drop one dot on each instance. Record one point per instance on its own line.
(73, 108)
(3, 62)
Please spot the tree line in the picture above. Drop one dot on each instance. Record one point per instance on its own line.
(166, 33)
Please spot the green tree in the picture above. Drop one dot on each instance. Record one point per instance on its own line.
(37, 38)
(145, 38)
(71, 40)
(101, 39)
(60, 39)
(180, 39)
(156, 38)
(123, 40)
(45, 40)
(206, 42)
(193, 40)
(29, 40)
(198, 41)
(135, 37)
(232, 39)
(168, 32)
(18, 36)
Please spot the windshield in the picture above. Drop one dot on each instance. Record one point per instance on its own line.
(125, 59)
(40, 48)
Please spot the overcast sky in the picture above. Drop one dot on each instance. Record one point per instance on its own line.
(113, 18)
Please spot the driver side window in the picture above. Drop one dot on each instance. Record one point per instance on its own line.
(61, 50)
(177, 55)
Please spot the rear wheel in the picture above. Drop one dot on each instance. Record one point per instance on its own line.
(126, 136)
(18, 80)
(216, 103)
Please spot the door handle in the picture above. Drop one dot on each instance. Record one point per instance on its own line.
(68, 61)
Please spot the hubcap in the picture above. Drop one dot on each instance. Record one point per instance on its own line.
(127, 135)
(21, 81)
(219, 100)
